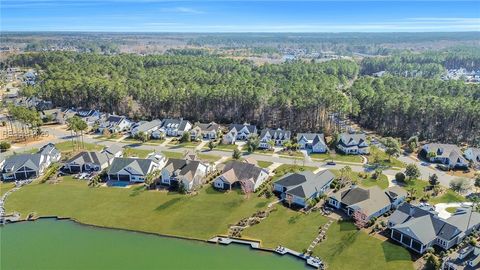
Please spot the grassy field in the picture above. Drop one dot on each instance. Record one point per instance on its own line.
(201, 216)
(383, 158)
(348, 248)
(201, 156)
(137, 141)
(227, 147)
(264, 164)
(5, 186)
(381, 181)
(135, 152)
(177, 144)
(287, 168)
(337, 157)
(345, 247)
(448, 197)
(67, 146)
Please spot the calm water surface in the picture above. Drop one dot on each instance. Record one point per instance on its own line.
(50, 244)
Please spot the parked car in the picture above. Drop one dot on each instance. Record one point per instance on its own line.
(331, 163)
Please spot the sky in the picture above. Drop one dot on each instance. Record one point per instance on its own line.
(239, 16)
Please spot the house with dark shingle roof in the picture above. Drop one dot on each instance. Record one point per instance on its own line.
(447, 154)
(27, 166)
(87, 161)
(189, 172)
(467, 258)
(133, 169)
(240, 174)
(313, 142)
(370, 202)
(278, 136)
(473, 154)
(239, 132)
(148, 127)
(298, 188)
(115, 124)
(418, 229)
(207, 131)
(175, 127)
(353, 144)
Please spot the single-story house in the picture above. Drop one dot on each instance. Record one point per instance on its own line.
(190, 172)
(239, 132)
(146, 127)
(246, 175)
(314, 142)
(114, 124)
(467, 258)
(418, 229)
(278, 136)
(353, 144)
(298, 188)
(87, 161)
(113, 151)
(447, 154)
(206, 131)
(369, 202)
(175, 127)
(25, 166)
(132, 169)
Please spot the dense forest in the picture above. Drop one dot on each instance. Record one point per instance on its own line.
(296, 95)
(447, 111)
(428, 64)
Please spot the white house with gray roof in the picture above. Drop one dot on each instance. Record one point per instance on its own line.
(239, 132)
(418, 229)
(353, 144)
(175, 127)
(87, 162)
(312, 142)
(278, 136)
(207, 131)
(473, 154)
(467, 258)
(133, 169)
(240, 174)
(148, 127)
(370, 202)
(115, 124)
(299, 188)
(447, 154)
(27, 166)
(189, 172)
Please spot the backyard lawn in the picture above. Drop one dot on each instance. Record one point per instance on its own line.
(381, 181)
(200, 216)
(264, 164)
(348, 248)
(287, 168)
(5, 186)
(447, 197)
(337, 157)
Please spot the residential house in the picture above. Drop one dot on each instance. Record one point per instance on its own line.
(313, 142)
(113, 151)
(447, 154)
(239, 132)
(91, 117)
(473, 154)
(189, 172)
(299, 188)
(207, 131)
(132, 169)
(114, 124)
(25, 166)
(353, 144)
(369, 202)
(175, 127)
(467, 258)
(418, 229)
(246, 175)
(53, 115)
(87, 161)
(146, 127)
(278, 136)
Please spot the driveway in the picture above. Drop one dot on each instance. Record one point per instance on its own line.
(441, 208)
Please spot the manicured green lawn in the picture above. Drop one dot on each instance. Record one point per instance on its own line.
(451, 209)
(177, 144)
(288, 168)
(200, 216)
(264, 164)
(67, 146)
(448, 197)
(170, 154)
(381, 181)
(227, 147)
(295, 154)
(337, 157)
(135, 152)
(137, 141)
(383, 158)
(31, 151)
(288, 228)
(5, 186)
(208, 158)
(348, 248)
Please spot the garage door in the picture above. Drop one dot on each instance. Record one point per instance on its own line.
(75, 168)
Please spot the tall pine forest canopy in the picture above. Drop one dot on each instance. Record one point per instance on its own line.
(296, 95)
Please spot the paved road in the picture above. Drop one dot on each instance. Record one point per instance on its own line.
(62, 135)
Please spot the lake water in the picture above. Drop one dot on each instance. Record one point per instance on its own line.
(51, 244)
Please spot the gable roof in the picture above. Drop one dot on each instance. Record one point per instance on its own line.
(212, 126)
(305, 184)
(240, 171)
(443, 150)
(137, 166)
(182, 167)
(147, 126)
(89, 158)
(347, 138)
(113, 149)
(308, 136)
(276, 134)
(179, 124)
(369, 200)
(115, 119)
(48, 149)
(15, 162)
(238, 127)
